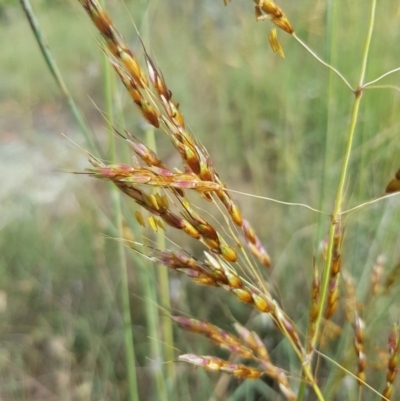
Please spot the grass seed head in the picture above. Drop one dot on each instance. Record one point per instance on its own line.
(359, 327)
(253, 341)
(274, 13)
(216, 364)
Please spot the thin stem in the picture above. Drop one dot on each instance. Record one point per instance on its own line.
(396, 88)
(323, 62)
(362, 205)
(382, 76)
(276, 201)
(163, 282)
(121, 253)
(52, 65)
(343, 175)
(367, 44)
(331, 20)
(348, 372)
(126, 308)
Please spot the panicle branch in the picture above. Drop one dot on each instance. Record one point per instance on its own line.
(216, 335)
(240, 371)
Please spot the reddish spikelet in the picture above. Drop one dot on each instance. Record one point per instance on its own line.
(150, 114)
(254, 244)
(359, 327)
(218, 336)
(253, 341)
(333, 298)
(196, 270)
(216, 364)
(157, 81)
(145, 153)
(241, 371)
(289, 328)
(280, 376)
(314, 308)
(336, 264)
(114, 41)
(336, 252)
(155, 204)
(393, 348)
(123, 175)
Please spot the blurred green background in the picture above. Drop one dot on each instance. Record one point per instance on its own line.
(273, 127)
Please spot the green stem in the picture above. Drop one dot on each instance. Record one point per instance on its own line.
(125, 303)
(343, 175)
(163, 283)
(52, 65)
(335, 220)
(121, 254)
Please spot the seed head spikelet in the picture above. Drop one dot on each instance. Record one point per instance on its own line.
(394, 185)
(268, 9)
(359, 327)
(393, 348)
(376, 276)
(336, 261)
(218, 336)
(253, 341)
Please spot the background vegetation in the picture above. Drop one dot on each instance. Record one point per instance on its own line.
(273, 127)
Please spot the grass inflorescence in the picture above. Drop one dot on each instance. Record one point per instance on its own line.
(328, 351)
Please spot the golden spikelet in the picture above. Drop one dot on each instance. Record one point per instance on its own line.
(275, 45)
